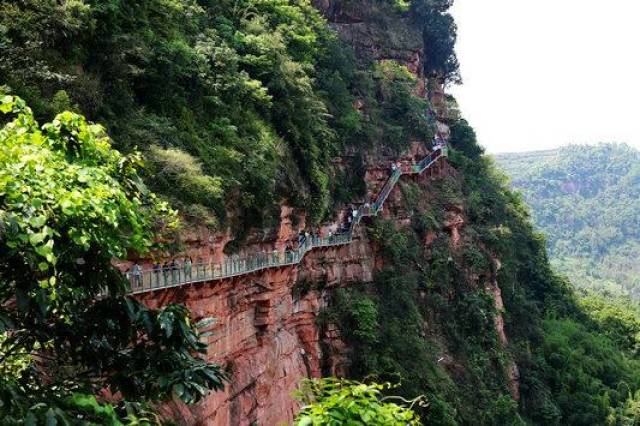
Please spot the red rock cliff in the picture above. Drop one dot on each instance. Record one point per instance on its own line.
(266, 332)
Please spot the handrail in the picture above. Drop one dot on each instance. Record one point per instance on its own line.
(189, 273)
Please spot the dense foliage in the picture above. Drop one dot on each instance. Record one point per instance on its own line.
(231, 88)
(235, 104)
(586, 199)
(69, 203)
(342, 402)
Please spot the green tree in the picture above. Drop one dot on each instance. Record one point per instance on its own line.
(69, 204)
(439, 32)
(340, 402)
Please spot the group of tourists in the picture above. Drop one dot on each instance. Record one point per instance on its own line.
(396, 166)
(164, 274)
(438, 143)
(349, 219)
(306, 238)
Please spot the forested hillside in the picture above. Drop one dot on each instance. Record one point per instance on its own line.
(230, 101)
(233, 111)
(586, 199)
(571, 355)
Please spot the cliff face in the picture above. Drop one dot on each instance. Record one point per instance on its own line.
(268, 331)
(375, 33)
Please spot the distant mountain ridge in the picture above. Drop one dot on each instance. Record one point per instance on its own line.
(586, 199)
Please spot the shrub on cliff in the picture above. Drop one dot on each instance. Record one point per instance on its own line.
(342, 402)
(69, 203)
(402, 115)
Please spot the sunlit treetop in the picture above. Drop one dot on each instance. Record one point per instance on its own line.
(69, 204)
(64, 187)
(67, 194)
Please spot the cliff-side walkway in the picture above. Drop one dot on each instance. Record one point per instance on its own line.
(160, 278)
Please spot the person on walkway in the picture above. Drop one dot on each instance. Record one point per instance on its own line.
(175, 271)
(226, 266)
(394, 167)
(166, 269)
(288, 253)
(235, 263)
(200, 267)
(157, 271)
(187, 269)
(136, 275)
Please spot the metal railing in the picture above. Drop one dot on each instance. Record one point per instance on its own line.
(387, 188)
(186, 272)
(428, 161)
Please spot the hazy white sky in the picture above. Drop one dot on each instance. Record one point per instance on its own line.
(544, 73)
